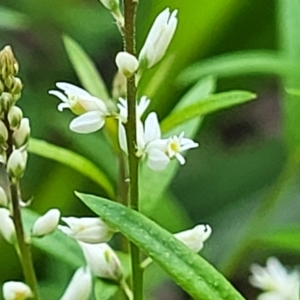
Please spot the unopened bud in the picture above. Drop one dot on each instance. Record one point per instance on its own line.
(16, 164)
(3, 133)
(127, 63)
(7, 227)
(46, 223)
(6, 100)
(17, 86)
(16, 290)
(1, 87)
(102, 261)
(3, 197)
(22, 134)
(80, 286)
(14, 117)
(194, 238)
(8, 63)
(112, 5)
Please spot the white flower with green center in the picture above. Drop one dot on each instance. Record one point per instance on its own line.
(275, 281)
(16, 290)
(158, 39)
(92, 111)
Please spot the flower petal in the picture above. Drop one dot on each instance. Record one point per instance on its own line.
(88, 122)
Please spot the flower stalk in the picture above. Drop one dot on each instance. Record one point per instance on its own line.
(131, 134)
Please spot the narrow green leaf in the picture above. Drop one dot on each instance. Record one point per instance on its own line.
(189, 270)
(12, 20)
(294, 92)
(85, 69)
(239, 63)
(72, 160)
(206, 106)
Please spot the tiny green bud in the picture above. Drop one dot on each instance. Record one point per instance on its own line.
(15, 116)
(9, 81)
(1, 87)
(16, 164)
(3, 197)
(112, 5)
(21, 135)
(3, 133)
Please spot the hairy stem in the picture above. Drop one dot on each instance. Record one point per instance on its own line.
(129, 45)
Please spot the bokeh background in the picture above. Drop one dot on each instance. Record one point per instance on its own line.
(242, 180)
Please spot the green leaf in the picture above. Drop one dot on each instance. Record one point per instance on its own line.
(294, 92)
(285, 239)
(12, 20)
(85, 69)
(72, 160)
(189, 270)
(205, 106)
(161, 180)
(239, 63)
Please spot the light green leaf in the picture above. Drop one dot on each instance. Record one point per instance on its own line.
(189, 270)
(205, 106)
(161, 180)
(285, 239)
(72, 160)
(239, 63)
(85, 69)
(12, 20)
(293, 92)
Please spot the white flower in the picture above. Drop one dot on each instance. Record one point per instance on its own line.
(195, 237)
(159, 38)
(21, 135)
(46, 223)
(80, 286)
(15, 290)
(87, 230)
(92, 110)
(16, 164)
(102, 260)
(7, 227)
(127, 63)
(275, 281)
(14, 117)
(141, 107)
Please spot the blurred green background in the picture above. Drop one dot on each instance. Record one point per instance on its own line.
(242, 180)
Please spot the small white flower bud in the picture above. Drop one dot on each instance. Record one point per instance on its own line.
(16, 164)
(195, 237)
(7, 227)
(112, 5)
(14, 117)
(22, 134)
(80, 286)
(102, 261)
(127, 63)
(158, 39)
(87, 230)
(3, 197)
(3, 133)
(6, 100)
(16, 290)
(46, 223)
(16, 86)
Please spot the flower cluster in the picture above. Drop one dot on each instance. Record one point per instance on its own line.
(276, 282)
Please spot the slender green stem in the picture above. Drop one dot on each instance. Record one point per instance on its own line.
(129, 45)
(24, 246)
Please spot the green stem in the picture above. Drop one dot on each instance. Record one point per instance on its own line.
(24, 246)
(133, 161)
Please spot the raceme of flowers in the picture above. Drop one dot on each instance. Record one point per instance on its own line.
(276, 282)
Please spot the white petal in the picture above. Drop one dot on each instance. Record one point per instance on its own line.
(122, 137)
(80, 286)
(180, 158)
(157, 160)
(59, 95)
(152, 128)
(69, 88)
(88, 122)
(63, 105)
(16, 290)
